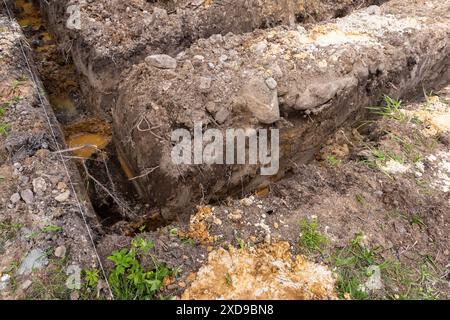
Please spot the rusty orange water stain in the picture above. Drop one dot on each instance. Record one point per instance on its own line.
(91, 134)
(90, 141)
(29, 16)
(126, 169)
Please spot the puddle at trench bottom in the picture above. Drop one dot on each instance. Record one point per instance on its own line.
(87, 140)
(88, 132)
(29, 15)
(59, 85)
(63, 106)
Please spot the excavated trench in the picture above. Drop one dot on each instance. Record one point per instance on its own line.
(232, 63)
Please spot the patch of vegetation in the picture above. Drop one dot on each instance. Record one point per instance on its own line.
(91, 277)
(51, 284)
(8, 230)
(391, 109)
(311, 240)
(361, 199)
(241, 243)
(332, 161)
(416, 284)
(228, 280)
(417, 220)
(354, 263)
(129, 280)
(351, 263)
(50, 228)
(4, 128)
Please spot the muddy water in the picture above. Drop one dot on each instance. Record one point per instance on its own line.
(84, 133)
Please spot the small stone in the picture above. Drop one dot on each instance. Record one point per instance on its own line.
(159, 13)
(271, 83)
(261, 101)
(222, 115)
(199, 58)
(15, 198)
(27, 196)
(35, 260)
(235, 216)
(373, 10)
(60, 251)
(247, 202)
(217, 221)
(27, 283)
(276, 70)
(223, 58)
(39, 185)
(161, 61)
(74, 295)
(61, 186)
(259, 48)
(4, 281)
(275, 225)
(205, 84)
(446, 252)
(63, 196)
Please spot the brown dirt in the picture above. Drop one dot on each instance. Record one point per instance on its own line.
(325, 76)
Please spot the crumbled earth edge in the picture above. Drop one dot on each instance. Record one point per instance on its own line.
(40, 215)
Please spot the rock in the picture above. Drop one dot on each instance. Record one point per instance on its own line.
(60, 251)
(4, 281)
(365, 154)
(161, 61)
(27, 283)
(395, 167)
(205, 84)
(35, 260)
(217, 221)
(373, 10)
(319, 93)
(261, 101)
(378, 193)
(222, 115)
(63, 196)
(15, 198)
(247, 202)
(374, 282)
(259, 48)
(27, 196)
(159, 14)
(235, 216)
(61, 186)
(39, 185)
(74, 295)
(18, 167)
(271, 83)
